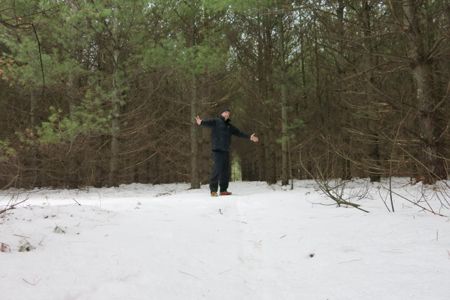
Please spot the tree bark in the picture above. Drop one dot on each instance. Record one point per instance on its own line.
(34, 150)
(192, 42)
(195, 183)
(284, 138)
(432, 164)
(373, 127)
(341, 69)
(115, 126)
(284, 108)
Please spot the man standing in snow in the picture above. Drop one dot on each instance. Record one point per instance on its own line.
(221, 131)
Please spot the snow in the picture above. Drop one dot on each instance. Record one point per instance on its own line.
(265, 242)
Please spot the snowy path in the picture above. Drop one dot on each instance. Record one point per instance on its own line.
(166, 242)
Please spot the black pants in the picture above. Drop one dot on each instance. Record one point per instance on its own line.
(221, 171)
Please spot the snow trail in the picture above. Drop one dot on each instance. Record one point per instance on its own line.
(168, 242)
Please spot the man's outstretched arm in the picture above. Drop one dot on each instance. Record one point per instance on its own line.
(235, 131)
(206, 123)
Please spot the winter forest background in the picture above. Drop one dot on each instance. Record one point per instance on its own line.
(105, 92)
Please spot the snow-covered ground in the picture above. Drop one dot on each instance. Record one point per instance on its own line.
(168, 242)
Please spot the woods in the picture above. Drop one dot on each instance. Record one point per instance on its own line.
(100, 93)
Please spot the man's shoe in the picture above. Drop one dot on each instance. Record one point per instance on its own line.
(214, 194)
(225, 193)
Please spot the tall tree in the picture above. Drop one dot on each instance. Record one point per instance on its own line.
(423, 45)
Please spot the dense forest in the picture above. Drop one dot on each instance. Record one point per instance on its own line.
(105, 92)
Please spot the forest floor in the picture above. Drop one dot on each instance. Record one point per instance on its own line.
(265, 242)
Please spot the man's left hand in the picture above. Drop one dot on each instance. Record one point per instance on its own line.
(254, 138)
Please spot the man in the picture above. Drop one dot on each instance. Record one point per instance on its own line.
(221, 131)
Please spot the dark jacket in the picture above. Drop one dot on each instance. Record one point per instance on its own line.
(221, 133)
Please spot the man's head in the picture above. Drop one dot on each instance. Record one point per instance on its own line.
(225, 113)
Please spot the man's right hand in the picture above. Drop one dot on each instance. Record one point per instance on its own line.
(198, 120)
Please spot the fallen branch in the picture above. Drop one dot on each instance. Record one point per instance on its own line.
(329, 191)
(31, 283)
(337, 198)
(417, 204)
(12, 206)
(76, 201)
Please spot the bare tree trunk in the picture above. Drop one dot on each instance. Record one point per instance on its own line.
(284, 108)
(115, 126)
(34, 152)
(284, 138)
(195, 183)
(433, 165)
(374, 151)
(71, 163)
(317, 81)
(341, 69)
(271, 158)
